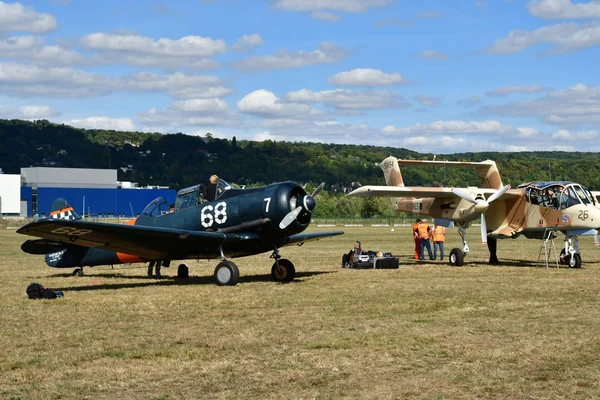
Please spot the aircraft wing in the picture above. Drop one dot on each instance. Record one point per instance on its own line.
(417, 192)
(144, 241)
(307, 237)
(402, 191)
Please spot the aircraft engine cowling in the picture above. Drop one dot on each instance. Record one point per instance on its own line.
(289, 207)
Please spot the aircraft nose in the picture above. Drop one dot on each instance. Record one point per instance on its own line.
(309, 203)
(481, 206)
(594, 216)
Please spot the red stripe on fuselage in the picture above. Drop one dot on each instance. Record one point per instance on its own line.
(128, 258)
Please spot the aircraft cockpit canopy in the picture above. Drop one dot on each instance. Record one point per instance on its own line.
(156, 207)
(559, 195)
(190, 196)
(197, 194)
(222, 186)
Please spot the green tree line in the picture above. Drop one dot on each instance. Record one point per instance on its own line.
(179, 160)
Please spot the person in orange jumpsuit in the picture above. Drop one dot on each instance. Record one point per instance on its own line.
(415, 229)
(424, 234)
(439, 237)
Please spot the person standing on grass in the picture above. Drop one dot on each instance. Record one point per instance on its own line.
(424, 235)
(415, 229)
(439, 237)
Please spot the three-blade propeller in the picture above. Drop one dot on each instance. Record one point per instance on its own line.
(306, 203)
(481, 205)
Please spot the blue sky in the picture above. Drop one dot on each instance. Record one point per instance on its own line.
(434, 76)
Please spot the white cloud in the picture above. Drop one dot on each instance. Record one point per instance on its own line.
(188, 46)
(107, 123)
(16, 17)
(149, 81)
(562, 38)
(248, 42)
(311, 131)
(349, 101)
(352, 6)
(577, 106)
(326, 53)
(33, 49)
(200, 92)
(326, 16)
(28, 81)
(194, 112)
(491, 135)
(427, 101)
(563, 9)
(265, 104)
(365, 77)
(27, 112)
(123, 48)
(503, 91)
(489, 127)
(527, 132)
(207, 106)
(432, 55)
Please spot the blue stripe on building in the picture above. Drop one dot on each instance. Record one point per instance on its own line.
(97, 202)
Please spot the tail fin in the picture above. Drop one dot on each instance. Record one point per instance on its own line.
(391, 171)
(61, 209)
(393, 176)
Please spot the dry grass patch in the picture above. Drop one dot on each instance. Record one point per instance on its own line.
(425, 331)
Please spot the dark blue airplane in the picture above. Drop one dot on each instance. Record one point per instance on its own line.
(236, 223)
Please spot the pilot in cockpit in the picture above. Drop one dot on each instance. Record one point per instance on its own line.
(211, 188)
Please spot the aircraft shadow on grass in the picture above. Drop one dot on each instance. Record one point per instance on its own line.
(173, 281)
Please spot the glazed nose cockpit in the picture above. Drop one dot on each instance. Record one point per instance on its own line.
(558, 195)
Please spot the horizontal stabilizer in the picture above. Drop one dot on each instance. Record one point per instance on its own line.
(42, 246)
(487, 170)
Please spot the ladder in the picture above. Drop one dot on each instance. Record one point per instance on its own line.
(547, 245)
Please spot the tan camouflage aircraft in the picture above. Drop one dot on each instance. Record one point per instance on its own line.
(534, 210)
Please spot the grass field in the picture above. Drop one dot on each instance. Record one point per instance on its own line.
(424, 331)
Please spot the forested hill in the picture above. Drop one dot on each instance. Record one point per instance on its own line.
(179, 160)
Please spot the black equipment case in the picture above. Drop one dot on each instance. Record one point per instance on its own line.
(370, 262)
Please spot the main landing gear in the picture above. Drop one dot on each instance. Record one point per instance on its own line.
(78, 271)
(226, 272)
(457, 255)
(570, 255)
(283, 270)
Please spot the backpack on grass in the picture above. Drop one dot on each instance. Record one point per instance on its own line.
(38, 291)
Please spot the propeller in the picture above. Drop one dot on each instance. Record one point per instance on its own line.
(483, 205)
(318, 189)
(307, 203)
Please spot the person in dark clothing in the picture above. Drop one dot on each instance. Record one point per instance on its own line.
(356, 251)
(152, 265)
(211, 188)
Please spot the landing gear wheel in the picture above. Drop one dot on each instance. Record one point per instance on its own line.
(286, 271)
(575, 261)
(78, 272)
(183, 272)
(562, 259)
(456, 257)
(227, 274)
